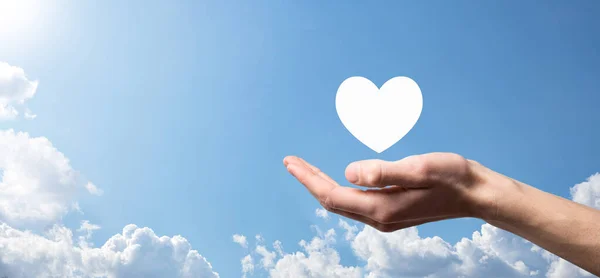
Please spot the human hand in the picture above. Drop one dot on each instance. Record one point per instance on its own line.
(436, 186)
(409, 192)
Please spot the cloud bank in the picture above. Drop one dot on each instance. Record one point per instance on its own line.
(136, 252)
(39, 187)
(489, 252)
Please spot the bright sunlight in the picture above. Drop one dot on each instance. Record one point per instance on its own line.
(17, 16)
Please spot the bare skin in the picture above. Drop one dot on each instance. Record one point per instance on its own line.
(437, 186)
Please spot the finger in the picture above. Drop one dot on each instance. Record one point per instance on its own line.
(411, 172)
(316, 185)
(327, 191)
(331, 195)
(317, 171)
(374, 204)
(353, 200)
(297, 160)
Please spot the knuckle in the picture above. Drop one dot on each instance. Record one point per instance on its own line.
(421, 166)
(456, 157)
(463, 165)
(474, 162)
(316, 170)
(327, 202)
(460, 161)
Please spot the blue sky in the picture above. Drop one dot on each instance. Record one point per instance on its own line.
(182, 113)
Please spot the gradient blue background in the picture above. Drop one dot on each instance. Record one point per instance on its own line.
(183, 112)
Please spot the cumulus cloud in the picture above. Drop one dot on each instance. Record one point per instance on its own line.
(489, 252)
(241, 240)
(278, 247)
(37, 189)
(268, 257)
(318, 259)
(93, 189)
(15, 89)
(402, 253)
(38, 185)
(88, 228)
(322, 213)
(8, 112)
(29, 115)
(350, 229)
(588, 192)
(560, 268)
(136, 252)
(247, 265)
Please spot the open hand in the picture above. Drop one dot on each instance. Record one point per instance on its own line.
(412, 191)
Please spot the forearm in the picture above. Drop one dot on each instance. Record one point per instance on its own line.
(565, 228)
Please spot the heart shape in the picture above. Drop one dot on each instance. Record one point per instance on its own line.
(379, 117)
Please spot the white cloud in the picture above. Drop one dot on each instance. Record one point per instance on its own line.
(322, 213)
(588, 192)
(8, 112)
(75, 207)
(241, 240)
(136, 252)
(247, 265)
(405, 254)
(350, 229)
(493, 250)
(319, 259)
(402, 253)
(93, 189)
(88, 228)
(278, 247)
(560, 268)
(38, 185)
(29, 115)
(15, 89)
(489, 252)
(268, 257)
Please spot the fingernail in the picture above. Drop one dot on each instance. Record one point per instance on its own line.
(286, 161)
(291, 169)
(352, 172)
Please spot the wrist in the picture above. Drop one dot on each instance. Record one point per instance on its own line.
(492, 193)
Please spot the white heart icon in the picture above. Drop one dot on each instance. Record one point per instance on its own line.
(379, 117)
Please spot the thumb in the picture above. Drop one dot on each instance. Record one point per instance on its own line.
(409, 172)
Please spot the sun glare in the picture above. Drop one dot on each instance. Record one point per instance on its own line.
(17, 16)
